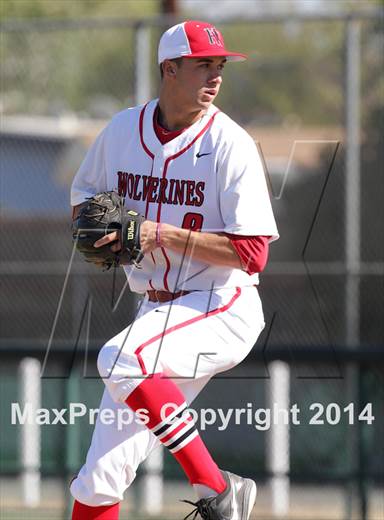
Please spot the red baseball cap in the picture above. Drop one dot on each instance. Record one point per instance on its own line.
(194, 39)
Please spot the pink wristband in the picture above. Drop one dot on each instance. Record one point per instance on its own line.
(158, 237)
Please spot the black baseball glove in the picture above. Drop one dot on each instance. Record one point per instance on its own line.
(103, 214)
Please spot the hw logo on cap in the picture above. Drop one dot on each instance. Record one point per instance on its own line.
(214, 36)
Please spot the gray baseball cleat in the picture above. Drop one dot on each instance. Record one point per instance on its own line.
(234, 503)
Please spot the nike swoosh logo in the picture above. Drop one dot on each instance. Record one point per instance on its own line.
(198, 155)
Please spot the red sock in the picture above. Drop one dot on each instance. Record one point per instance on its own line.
(83, 512)
(176, 430)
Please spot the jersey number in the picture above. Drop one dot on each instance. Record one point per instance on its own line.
(193, 221)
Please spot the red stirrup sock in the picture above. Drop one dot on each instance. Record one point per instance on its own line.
(176, 430)
(83, 512)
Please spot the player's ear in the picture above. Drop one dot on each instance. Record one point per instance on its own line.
(169, 68)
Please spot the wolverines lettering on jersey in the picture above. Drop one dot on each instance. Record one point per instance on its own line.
(102, 214)
(163, 191)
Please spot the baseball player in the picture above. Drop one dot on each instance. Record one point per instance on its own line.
(197, 178)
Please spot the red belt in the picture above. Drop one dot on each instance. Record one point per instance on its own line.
(164, 296)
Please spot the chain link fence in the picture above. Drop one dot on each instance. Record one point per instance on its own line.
(61, 81)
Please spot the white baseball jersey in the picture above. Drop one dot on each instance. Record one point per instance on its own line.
(209, 178)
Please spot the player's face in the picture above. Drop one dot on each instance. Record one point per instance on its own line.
(198, 81)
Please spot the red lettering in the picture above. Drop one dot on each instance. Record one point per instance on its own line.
(189, 200)
(179, 192)
(162, 191)
(129, 184)
(193, 221)
(153, 189)
(146, 186)
(162, 198)
(136, 193)
(170, 194)
(200, 186)
(122, 183)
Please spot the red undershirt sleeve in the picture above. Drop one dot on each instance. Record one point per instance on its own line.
(252, 251)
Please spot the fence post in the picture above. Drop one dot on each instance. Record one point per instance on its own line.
(142, 64)
(29, 372)
(352, 243)
(151, 484)
(72, 439)
(278, 441)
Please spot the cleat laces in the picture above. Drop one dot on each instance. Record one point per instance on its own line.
(203, 508)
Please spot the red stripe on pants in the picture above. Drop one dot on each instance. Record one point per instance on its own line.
(182, 325)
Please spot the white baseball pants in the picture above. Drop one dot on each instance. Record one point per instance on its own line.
(189, 339)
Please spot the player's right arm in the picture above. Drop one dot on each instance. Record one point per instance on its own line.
(243, 191)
